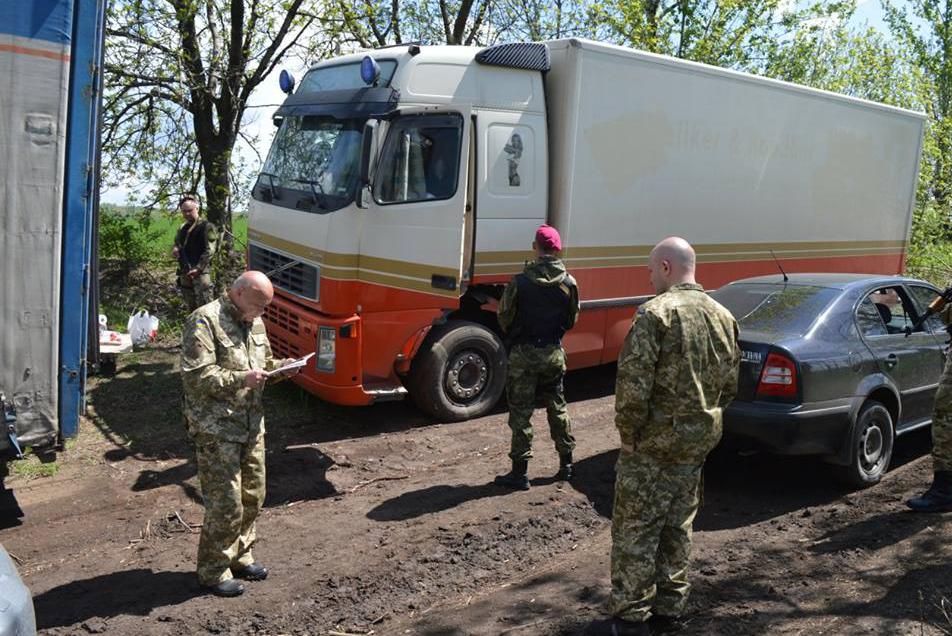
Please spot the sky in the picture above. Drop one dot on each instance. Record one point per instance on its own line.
(268, 96)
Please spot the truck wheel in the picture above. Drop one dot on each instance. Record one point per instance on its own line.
(459, 373)
(871, 446)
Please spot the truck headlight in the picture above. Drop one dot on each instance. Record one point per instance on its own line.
(326, 349)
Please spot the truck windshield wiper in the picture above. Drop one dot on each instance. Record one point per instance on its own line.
(274, 193)
(315, 186)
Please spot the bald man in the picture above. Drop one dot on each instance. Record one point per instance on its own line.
(676, 373)
(225, 360)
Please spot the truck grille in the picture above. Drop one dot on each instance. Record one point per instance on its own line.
(282, 318)
(281, 348)
(300, 278)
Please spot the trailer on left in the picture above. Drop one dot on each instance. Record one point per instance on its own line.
(50, 61)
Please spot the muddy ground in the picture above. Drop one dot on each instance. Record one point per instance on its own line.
(378, 521)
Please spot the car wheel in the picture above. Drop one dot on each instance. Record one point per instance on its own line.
(871, 446)
(459, 373)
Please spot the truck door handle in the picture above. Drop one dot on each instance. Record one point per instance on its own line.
(892, 360)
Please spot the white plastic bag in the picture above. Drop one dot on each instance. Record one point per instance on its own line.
(142, 327)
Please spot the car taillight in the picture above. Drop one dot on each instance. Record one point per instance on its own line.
(778, 377)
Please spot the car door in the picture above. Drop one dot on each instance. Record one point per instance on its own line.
(923, 295)
(908, 359)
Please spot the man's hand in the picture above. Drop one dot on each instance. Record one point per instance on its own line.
(255, 378)
(193, 274)
(175, 252)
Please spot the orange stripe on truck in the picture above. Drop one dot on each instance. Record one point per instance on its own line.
(25, 50)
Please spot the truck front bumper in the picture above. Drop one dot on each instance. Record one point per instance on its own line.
(335, 374)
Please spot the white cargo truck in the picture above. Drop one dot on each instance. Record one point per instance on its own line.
(404, 186)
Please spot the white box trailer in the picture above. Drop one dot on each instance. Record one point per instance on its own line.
(404, 185)
(644, 146)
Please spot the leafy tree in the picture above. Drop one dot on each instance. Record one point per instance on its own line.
(178, 76)
(372, 23)
(925, 26)
(735, 34)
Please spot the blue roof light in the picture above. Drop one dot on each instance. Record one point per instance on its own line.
(286, 82)
(369, 70)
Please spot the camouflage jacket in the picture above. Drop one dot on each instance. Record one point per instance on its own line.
(218, 348)
(676, 372)
(546, 271)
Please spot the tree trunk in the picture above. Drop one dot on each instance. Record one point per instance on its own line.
(218, 191)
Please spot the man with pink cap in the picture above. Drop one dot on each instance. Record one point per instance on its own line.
(537, 308)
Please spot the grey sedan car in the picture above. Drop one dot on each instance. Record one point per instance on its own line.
(834, 365)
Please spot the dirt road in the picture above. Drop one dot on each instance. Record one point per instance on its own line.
(377, 521)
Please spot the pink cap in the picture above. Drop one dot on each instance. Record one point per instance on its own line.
(547, 237)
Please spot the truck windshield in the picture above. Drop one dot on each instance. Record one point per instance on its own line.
(317, 156)
(775, 309)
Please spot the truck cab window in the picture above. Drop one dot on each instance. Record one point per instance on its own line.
(420, 160)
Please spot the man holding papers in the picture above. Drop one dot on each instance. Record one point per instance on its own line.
(226, 361)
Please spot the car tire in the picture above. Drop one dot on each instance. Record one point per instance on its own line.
(459, 373)
(871, 446)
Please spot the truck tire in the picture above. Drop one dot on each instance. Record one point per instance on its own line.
(871, 446)
(459, 372)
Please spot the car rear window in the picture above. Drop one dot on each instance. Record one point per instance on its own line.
(776, 309)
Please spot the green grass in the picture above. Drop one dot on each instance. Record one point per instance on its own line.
(30, 467)
(169, 225)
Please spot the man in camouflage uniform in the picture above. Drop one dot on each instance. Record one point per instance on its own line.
(676, 372)
(225, 360)
(536, 309)
(194, 247)
(938, 498)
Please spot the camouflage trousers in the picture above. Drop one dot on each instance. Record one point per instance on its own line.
(196, 291)
(942, 422)
(654, 510)
(232, 478)
(537, 371)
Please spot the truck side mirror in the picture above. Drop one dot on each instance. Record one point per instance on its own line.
(366, 150)
(366, 154)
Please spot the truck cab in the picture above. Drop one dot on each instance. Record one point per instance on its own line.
(375, 201)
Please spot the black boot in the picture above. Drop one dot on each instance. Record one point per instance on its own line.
(661, 624)
(228, 589)
(621, 627)
(939, 496)
(565, 467)
(516, 478)
(253, 572)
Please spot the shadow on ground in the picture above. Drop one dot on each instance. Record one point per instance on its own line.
(137, 592)
(740, 490)
(139, 413)
(417, 503)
